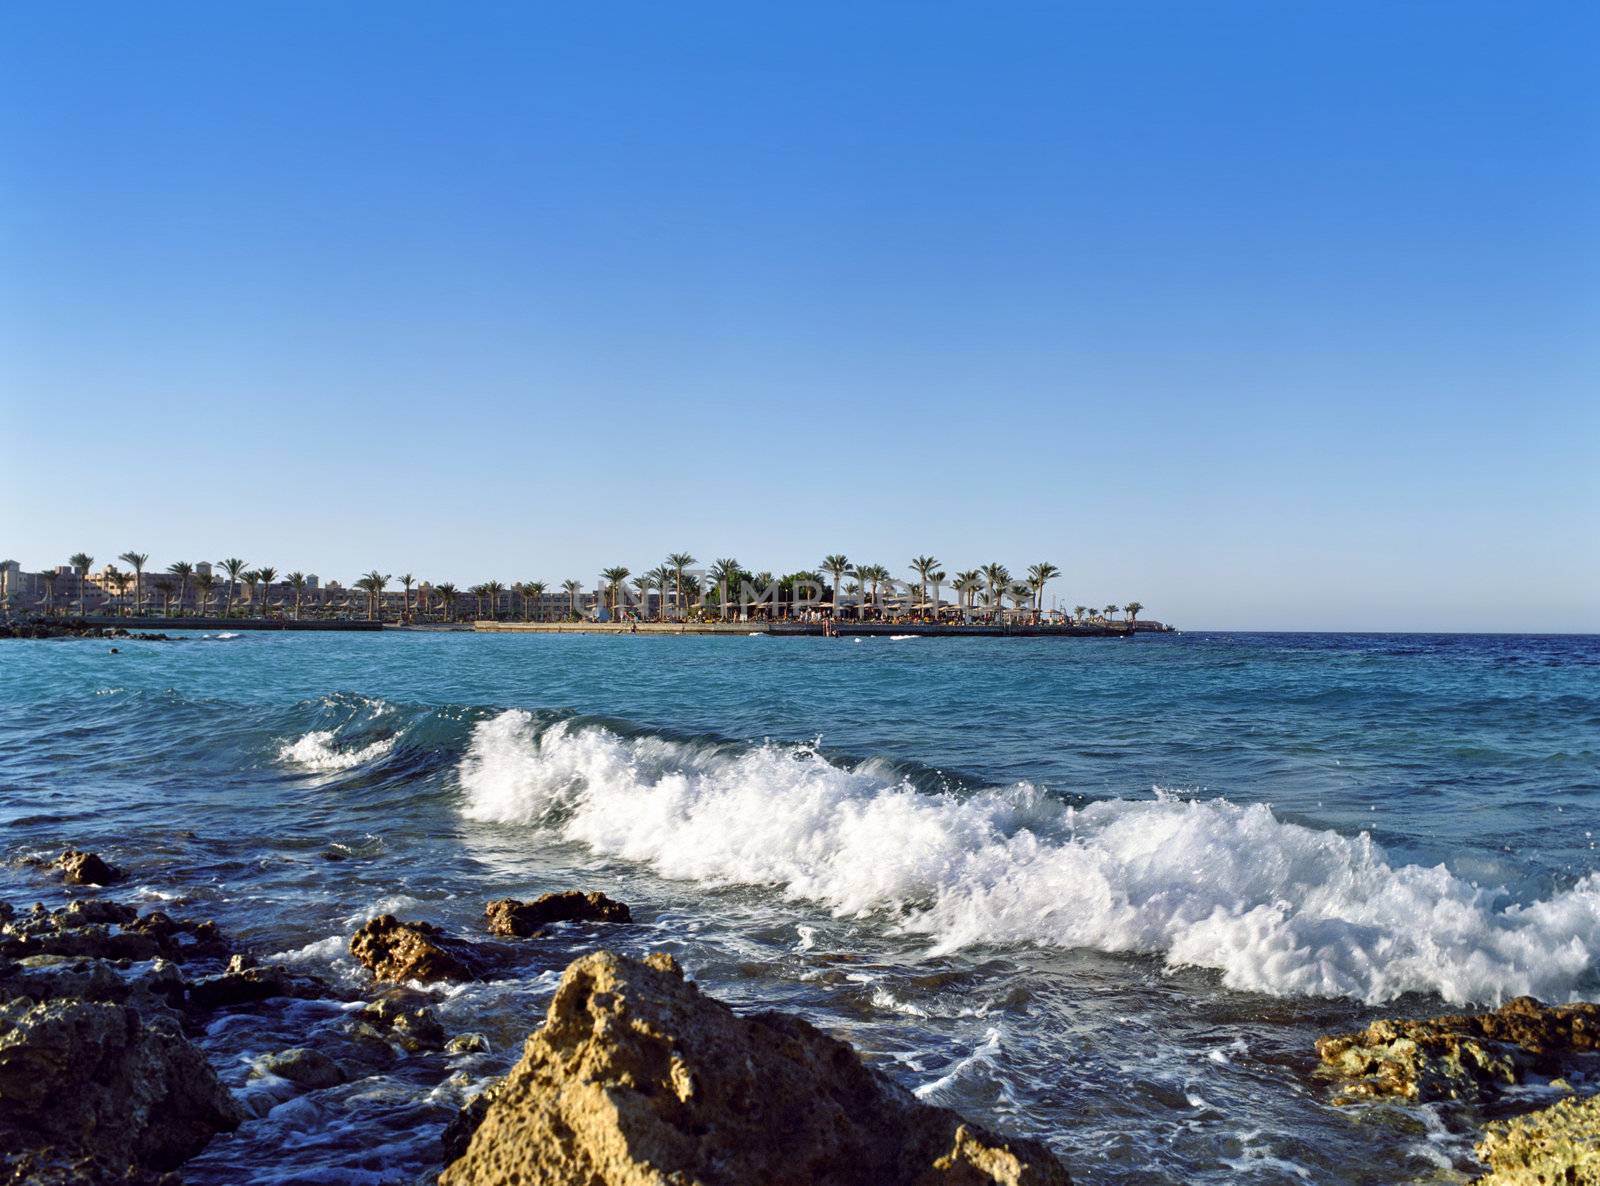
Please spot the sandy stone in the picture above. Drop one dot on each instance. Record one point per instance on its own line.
(637, 1079)
(400, 951)
(1468, 1056)
(1558, 1144)
(507, 916)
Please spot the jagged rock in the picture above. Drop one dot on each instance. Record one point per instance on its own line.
(305, 1068)
(636, 1079)
(469, 1043)
(87, 868)
(507, 916)
(401, 951)
(244, 984)
(415, 1030)
(23, 1165)
(1558, 1144)
(1468, 1056)
(99, 1080)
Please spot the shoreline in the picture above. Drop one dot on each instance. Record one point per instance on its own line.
(812, 629)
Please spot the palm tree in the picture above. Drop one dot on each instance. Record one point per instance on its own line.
(137, 560)
(1037, 576)
(677, 562)
(406, 581)
(266, 576)
(923, 566)
(1132, 610)
(725, 572)
(1078, 611)
(297, 582)
(535, 590)
(1111, 612)
(836, 566)
(1021, 594)
(164, 588)
(491, 592)
(204, 583)
(661, 580)
(572, 588)
(373, 583)
(81, 562)
(233, 566)
(613, 578)
(998, 576)
(118, 580)
(447, 599)
(183, 570)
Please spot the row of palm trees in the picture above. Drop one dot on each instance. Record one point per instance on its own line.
(683, 590)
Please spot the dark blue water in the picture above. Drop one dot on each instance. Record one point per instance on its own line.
(1103, 891)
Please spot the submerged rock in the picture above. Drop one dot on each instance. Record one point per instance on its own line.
(401, 951)
(507, 916)
(97, 1080)
(415, 1030)
(245, 983)
(87, 868)
(1467, 1056)
(1559, 1144)
(305, 1068)
(637, 1079)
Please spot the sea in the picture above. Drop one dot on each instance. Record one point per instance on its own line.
(1105, 892)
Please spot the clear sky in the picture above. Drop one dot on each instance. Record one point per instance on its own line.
(1265, 314)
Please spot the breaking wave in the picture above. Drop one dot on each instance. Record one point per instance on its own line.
(1273, 906)
(318, 751)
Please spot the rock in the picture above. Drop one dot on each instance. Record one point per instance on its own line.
(86, 868)
(636, 1079)
(55, 1165)
(101, 1081)
(1469, 1056)
(507, 916)
(471, 1043)
(415, 1030)
(401, 951)
(305, 1068)
(1558, 1144)
(245, 985)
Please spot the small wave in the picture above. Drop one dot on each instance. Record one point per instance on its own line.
(1273, 906)
(317, 751)
(227, 634)
(985, 1058)
(902, 637)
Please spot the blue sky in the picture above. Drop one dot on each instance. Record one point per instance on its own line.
(1267, 315)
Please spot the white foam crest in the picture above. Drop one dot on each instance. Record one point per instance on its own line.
(1275, 907)
(317, 751)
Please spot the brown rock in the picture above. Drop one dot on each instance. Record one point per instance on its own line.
(636, 1079)
(245, 985)
(415, 1030)
(103, 1082)
(86, 868)
(507, 916)
(1466, 1056)
(400, 951)
(1559, 1144)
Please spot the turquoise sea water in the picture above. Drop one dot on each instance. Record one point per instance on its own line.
(1106, 892)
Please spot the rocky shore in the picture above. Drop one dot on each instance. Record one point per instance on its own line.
(634, 1078)
(74, 628)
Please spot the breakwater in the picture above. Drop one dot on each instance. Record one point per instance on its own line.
(215, 623)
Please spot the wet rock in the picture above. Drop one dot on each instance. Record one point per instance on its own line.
(1559, 1144)
(400, 951)
(101, 1081)
(305, 1068)
(245, 984)
(471, 1043)
(636, 1078)
(414, 1030)
(507, 916)
(1468, 1056)
(22, 1165)
(87, 868)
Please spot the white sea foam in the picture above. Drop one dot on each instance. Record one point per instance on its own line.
(316, 751)
(1275, 907)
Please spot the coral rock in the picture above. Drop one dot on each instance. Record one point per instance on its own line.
(101, 1081)
(1469, 1056)
(86, 868)
(507, 916)
(637, 1079)
(1556, 1144)
(400, 951)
